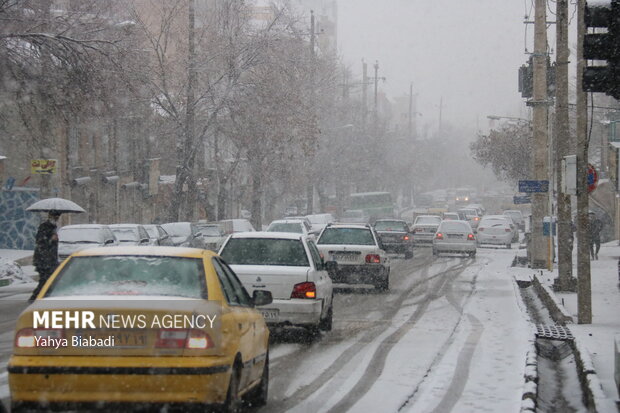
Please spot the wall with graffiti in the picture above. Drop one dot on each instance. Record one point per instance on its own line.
(18, 226)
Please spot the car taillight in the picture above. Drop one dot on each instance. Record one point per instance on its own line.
(406, 237)
(373, 259)
(304, 290)
(25, 338)
(507, 229)
(182, 338)
(470, 237)
(439, 235)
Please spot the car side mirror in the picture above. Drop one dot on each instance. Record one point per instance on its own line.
(108, 241)
(144, 241)
(261, 297)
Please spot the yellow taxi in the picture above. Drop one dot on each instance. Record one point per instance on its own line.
(154, 326)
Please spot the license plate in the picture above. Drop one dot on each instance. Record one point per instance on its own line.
(346, 257)
(454, 236)
(270, 314)
(121, 338)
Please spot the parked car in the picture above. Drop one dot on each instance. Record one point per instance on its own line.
(72, 238)
(395, 236)
(238, 224)
(454, 236)
(424, 228)
(184, 234)
(213, 234)
(296, 226)
(517, 218)
(472, 215)
(320, 221)
(290, 267)
(354, 216)
(195, 364)
(353, 255)
(158, 235)
(130, 234)
(496, 230)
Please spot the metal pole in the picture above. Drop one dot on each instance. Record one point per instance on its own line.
(539, 200)
(584, 293)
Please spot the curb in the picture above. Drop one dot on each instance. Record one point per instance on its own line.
(594, 398)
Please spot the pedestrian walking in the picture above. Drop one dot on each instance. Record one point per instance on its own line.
(595, 226)
(45, 258)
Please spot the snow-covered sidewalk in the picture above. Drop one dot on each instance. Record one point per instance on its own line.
(597, 339)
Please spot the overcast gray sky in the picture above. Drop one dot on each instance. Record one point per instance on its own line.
(466, 51)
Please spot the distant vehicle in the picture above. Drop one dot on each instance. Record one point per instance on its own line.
(353, 255)
(238, 225)
(295, 226)
(517, 217)
(213, 234)
(450, 216)
(374, 204)
(184, 234)
(462, 196)
(290, 267)
(72, 238)
(130, 234)
(424, 229)
(496, 230)
(320, 221)
(478, 207)
(472, 215)
(395, 236)
(454, 237)
(354, 216)
(157, 235)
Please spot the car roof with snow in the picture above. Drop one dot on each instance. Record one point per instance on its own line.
(267, 234)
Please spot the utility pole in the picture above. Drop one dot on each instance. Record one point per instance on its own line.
(376, 113)
(364, 93)
(584, 292)
(538, 247)
(410, 120)
(310, 186)
(565, 280)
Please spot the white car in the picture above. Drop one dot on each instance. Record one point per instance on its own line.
(320, 221)
(517, 217)
(290, 267)
(72, 238)
(353, 255)
(130, 234)
(424, 228)
(495, 230)
(454, 236)
(296, 226)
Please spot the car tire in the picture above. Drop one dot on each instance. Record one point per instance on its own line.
(435, 253)
(408, 255)
(384, 284)
(233, 403)
(258, 396)
(326, 323)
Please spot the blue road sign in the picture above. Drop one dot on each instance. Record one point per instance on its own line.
(526, 199)
(533, 186)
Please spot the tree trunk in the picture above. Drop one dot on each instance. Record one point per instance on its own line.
(257, 194)
(222, 197)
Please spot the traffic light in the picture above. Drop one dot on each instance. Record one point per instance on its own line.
(603, 46)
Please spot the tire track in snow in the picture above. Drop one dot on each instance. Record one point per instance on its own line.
(375, 367)
(284, 403)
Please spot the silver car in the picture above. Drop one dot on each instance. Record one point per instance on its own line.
(130, 234)
(454, 236)
(72, 238)
(424, 229)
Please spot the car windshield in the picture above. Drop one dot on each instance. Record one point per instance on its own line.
(390, 226)
(347, 236)
(265, 251)
(427, 221)
(77, 235)
(494, 222)
(454, 226)
(125, 234)
(294, 227)
(130, 275)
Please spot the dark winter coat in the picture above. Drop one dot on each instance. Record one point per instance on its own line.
(596, 225)
(46, 250)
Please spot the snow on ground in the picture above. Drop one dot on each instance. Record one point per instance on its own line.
(598, 338)
(14, 255)
(12, 273)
